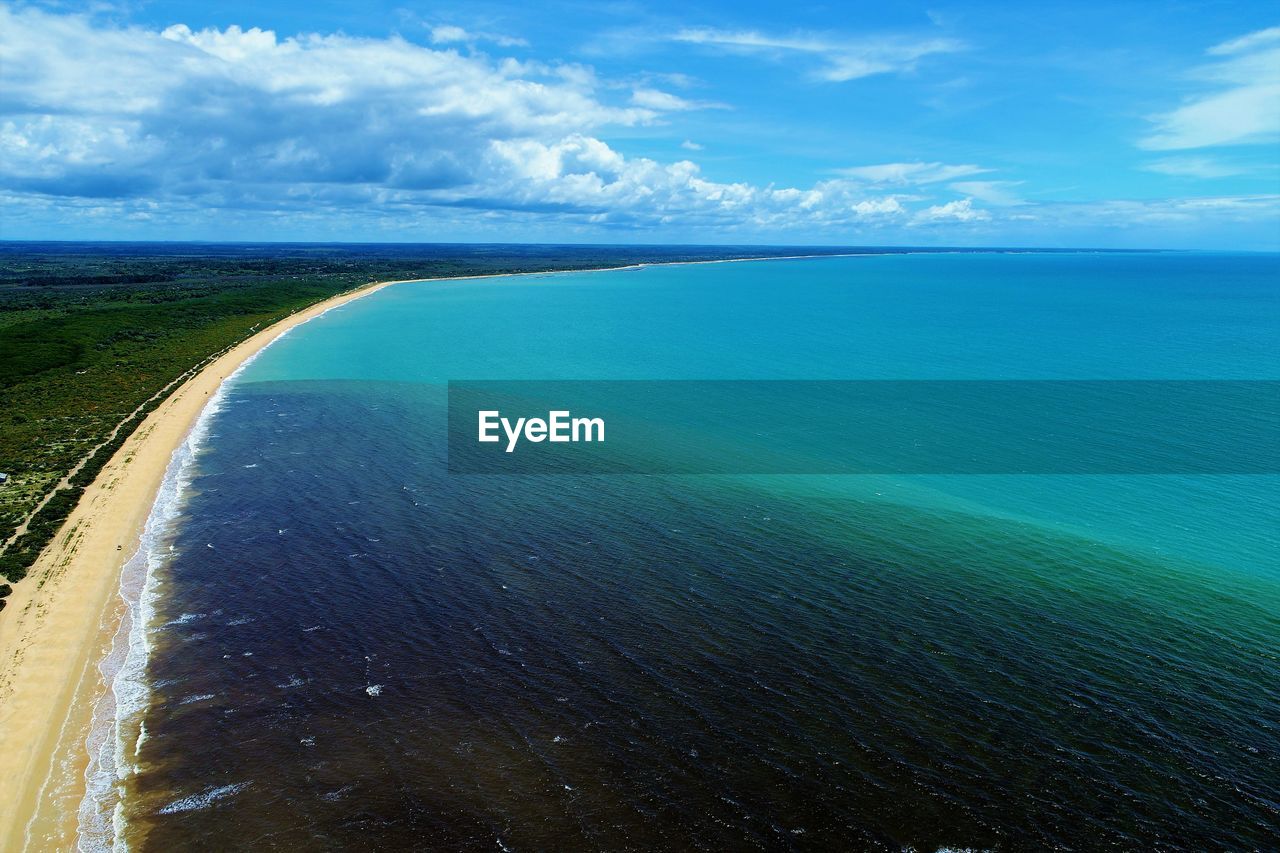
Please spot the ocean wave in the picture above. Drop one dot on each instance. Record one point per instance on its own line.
(184, 619)
(203, 799)
(116, 732)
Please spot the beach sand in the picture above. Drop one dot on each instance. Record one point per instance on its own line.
(59, 621)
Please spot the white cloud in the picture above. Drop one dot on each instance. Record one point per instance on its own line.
(237, 119)
(1187, 212)
(1243, 106)
(448, 33)
(998, 193)
(879, 207)
(1245, 114)
(1252, 41)
(960, 210)
(841, 58)
(1194, 167)
(101, 123)
(656, 99)
(200, 110)
(586, 174)
(690, 145)
(903, 174)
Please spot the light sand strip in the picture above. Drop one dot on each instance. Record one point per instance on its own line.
(60, 620)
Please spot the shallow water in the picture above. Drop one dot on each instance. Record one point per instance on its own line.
(352, 647)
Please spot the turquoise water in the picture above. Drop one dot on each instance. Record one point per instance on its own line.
(355, 647)
(965, 316)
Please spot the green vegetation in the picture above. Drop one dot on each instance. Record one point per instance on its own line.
(91, 332)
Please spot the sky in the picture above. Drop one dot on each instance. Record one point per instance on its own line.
(1138, 125)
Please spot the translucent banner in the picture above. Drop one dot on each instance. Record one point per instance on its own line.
(864, 427)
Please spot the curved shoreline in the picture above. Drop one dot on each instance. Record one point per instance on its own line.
(62, 618)
(61, 621)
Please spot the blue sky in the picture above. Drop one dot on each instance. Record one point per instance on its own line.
(1032, 124)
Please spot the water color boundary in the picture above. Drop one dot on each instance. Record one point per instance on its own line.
(73, 638)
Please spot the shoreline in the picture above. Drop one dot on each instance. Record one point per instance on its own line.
(62, 619)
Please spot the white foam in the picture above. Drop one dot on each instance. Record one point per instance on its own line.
(334, 796)
(116, 733)
(183, 619)
(203, 799)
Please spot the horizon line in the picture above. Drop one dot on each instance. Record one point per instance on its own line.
(822, 246)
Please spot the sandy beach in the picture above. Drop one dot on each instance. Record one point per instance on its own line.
(60, 620)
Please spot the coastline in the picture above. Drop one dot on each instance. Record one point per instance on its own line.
(61, 621)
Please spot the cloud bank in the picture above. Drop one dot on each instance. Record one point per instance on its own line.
(104, 123)
(244, 119)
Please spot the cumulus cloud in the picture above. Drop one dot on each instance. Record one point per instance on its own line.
(840, 59)
(960, 210)
(1239, 102)
(584, 174)
(242, 119)
(879, 207)
(200, 110)
(107, 123)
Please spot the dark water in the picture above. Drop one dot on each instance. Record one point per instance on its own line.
(356, 649)
(398, 658)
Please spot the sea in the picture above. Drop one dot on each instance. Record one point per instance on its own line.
(334, 641)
